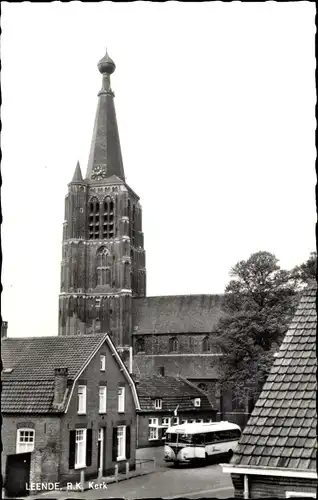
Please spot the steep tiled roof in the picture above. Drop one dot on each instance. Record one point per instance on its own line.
(176, 314)
(172, 390)
(281, 431)
(29, 387)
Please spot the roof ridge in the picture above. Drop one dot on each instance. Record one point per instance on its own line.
(65, 337)
(221, 294)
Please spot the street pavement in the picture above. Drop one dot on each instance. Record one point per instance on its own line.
(166, 481)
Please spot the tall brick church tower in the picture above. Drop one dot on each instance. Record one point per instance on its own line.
(103, 259)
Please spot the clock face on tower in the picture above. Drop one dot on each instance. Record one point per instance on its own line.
(99, 172)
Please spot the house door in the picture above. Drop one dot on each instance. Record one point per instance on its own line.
(101, 451)
(18, 474)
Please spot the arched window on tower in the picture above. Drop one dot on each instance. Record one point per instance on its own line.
(103, 270)
(206, 344)
(108, 218)
(140, 345)
(93, 219)
(173, 344)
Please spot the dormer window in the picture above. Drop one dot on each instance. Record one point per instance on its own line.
(158, 404)
(197, 402)
(7, 370)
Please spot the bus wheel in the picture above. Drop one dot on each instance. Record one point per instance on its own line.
(176, 464)
(206, 457)
(229, 455)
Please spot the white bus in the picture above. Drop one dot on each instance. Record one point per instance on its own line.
(194, 442)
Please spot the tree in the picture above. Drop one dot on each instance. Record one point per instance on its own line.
(259, 303)
(308, 270)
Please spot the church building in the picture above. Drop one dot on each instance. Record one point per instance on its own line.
(103, 271)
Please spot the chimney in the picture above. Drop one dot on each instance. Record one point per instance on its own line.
(4, 329)
(60, 384)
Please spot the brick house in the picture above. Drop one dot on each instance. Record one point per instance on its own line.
(277, 452)
(165, 401)
(69, 403)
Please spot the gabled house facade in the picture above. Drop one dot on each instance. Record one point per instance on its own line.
(166, 401)
(68, 405)
(277, 452)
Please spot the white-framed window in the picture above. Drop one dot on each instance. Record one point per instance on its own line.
(25, 440)
(102, 398)
(158, 404)
(121, 399)
(293, 494)
(166, 421)
(192, 421)
(121, 439)
(153, 429)
(197, 402)
(80, 448)
(175, 420)
(81, 394)
(102, 362)
(184, 421)
(210, 421)
(200, 421)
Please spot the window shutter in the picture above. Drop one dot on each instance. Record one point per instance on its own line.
(128, 441)
(89, 444)
(71, 457)
(115, 444)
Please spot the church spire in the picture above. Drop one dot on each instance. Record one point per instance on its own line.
(105, 157)
(77, 177)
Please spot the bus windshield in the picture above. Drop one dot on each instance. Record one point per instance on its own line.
(179, 438)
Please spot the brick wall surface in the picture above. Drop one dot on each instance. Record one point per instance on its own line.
(45, 459)
(187, 343)
(272, 487)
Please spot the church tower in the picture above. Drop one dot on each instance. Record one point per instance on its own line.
(103, 259)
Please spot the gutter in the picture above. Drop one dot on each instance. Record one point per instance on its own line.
(268, 471)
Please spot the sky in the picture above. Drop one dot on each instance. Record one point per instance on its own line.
(215, 104)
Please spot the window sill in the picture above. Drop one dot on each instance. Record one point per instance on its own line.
(153, 439)
(102, 412)
(82, 466)
(81, 413)
(120, 459)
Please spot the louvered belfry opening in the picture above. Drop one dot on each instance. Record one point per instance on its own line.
(108, 218)
(94, 219)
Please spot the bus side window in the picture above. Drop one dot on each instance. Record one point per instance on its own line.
(209, 437)
(218, 436)
(198, 438)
